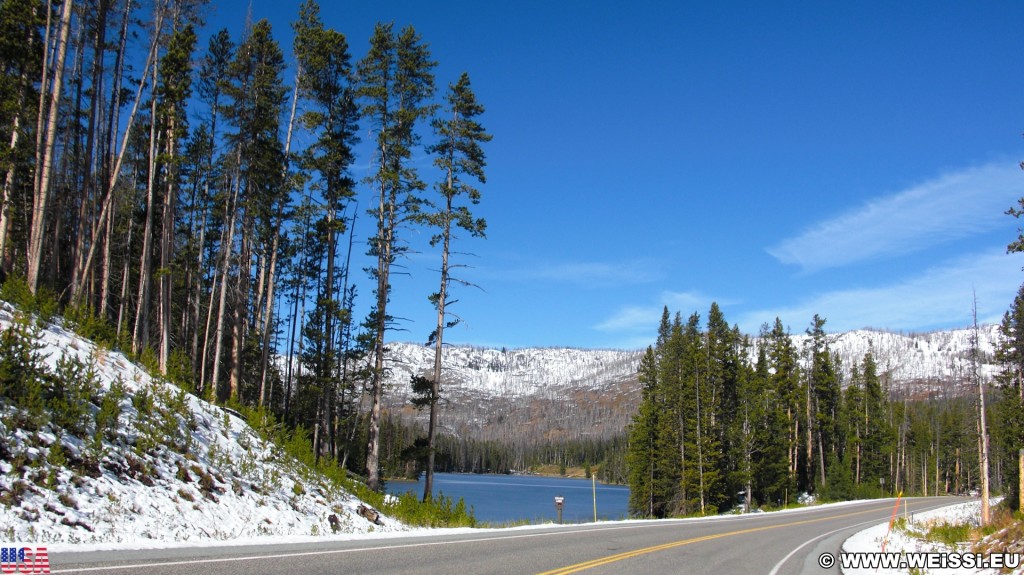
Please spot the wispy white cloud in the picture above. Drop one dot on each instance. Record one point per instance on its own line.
(940, 297)
(955, 205)
(633, 320)
(594, 274)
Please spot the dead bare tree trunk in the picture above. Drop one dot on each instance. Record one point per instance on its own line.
(983, 450)
(115, 171)
(167, 250)
(140, 335)
(44, 169)
(218, 337)
(268, 310)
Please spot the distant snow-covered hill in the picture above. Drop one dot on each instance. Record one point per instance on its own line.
(918, 362)
(522, 395)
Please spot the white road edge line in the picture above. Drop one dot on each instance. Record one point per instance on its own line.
(597, 527)
(775, 570)
(360, 549)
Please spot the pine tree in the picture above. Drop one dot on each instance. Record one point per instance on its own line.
(640, 456)
(772, 482)
(1009, 411)
(877, 436)
(823, 401)
(396, 86)
(785, 380)
(745, 444)
(21, 55)
(675, 482)
(256, 91)
(460, 157)
(173, 91)
(722, 402)
(326, 83)
(46, 142)
(212, 80)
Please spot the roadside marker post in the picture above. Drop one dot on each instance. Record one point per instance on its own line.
(892, 520)
(559, 502)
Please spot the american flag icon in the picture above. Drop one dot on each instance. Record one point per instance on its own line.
(24, 560)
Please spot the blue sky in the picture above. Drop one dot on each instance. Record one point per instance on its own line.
(850, 159)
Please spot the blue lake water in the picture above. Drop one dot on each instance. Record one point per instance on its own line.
(505, 498)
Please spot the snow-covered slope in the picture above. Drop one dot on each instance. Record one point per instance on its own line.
(917, 357)
(181, 470)
(523, 395)
(515, 373)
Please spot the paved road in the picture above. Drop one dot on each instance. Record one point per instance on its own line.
(773, 543)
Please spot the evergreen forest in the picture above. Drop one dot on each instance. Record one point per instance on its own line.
(154, 192)
(717, 431)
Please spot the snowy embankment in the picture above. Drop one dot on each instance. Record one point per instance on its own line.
(170, 467)
(908, 538)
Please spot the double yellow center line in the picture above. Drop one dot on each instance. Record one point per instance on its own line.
(665, 546)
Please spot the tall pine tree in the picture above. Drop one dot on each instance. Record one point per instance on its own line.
(460, 157)
(1009, 410)
(396, 84)
(325, 82)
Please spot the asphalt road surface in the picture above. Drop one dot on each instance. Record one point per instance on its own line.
(769, 543)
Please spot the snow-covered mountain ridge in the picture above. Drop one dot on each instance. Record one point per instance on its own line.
(169, 467)
(904, 358)
(511, 373)
(555, 393)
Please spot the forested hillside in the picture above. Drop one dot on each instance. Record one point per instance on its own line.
(193, 202)
(516, 409)
(725, 419)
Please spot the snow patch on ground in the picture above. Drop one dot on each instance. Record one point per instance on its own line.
(228, 485)
(872, 539)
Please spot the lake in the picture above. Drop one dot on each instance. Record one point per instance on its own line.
(506, 498)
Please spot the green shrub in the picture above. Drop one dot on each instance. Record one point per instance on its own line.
(950, 534)
(75, 386)
(86, 323)
(143, 403)
(149, 361)
(57, 460)
(22, 369)
(439, 511)
(109, 414)
(56, 456)
(179, 370)
(173, 418)
(44, 304)
(15, 290)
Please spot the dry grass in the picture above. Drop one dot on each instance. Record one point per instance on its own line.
(1005, 534)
